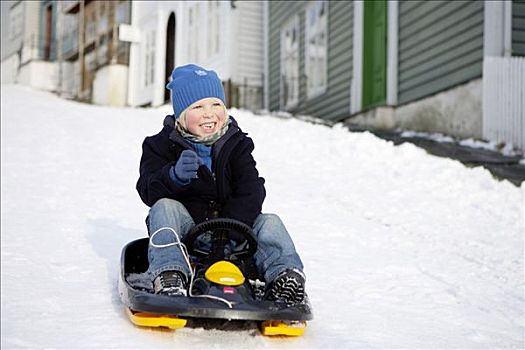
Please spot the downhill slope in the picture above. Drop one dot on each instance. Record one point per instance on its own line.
(402, 249)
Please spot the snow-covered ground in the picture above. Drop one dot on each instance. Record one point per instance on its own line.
(507, 149)
(402, 249)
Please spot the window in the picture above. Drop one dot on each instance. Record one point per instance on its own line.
(90, 61)
(213, 27)
(290, 63)
(15, 21)
(102, 18)
(146, 60)
(193, 33)
(316, 48)
(70, 34)
(149, 66)
(152, 59)
(122, 12)
(102, 50)
(91, 28)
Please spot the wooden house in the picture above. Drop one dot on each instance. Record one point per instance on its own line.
(226, 36)
(418, 65)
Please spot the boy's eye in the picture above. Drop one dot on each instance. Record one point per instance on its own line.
(216, 104)
(197, 106)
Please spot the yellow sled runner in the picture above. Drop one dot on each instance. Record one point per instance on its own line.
(268, 328)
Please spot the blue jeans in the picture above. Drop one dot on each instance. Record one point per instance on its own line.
(275, 249)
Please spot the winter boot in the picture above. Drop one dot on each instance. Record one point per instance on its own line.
(288, 288)
(172, 283)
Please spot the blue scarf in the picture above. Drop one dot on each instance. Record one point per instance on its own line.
(203, 151)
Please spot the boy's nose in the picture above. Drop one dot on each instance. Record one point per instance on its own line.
(207, 113)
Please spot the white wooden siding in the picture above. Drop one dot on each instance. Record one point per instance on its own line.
(250, 40)
(504, 100)
(440, 46)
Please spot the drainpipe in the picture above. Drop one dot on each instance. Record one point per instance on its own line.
(81, 48)
(266, 66)
(59, 46)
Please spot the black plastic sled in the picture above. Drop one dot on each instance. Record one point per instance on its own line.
(224, 284)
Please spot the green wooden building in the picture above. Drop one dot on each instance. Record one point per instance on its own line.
(405, 64)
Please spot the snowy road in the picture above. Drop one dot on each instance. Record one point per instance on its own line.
(402, 249)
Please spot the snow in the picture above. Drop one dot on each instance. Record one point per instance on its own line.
(436, 136)
(402, 249)
(505, 149)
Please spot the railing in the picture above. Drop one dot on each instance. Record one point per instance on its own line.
(504, 100)
(250, 96)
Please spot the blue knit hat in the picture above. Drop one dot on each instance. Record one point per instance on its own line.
(191, 83)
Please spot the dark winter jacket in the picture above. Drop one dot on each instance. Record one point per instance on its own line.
(233, 189)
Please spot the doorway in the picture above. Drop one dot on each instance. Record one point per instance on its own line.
(48, 33)
(170, 54)
(374, 53)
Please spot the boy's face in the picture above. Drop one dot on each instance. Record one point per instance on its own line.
(205, 117)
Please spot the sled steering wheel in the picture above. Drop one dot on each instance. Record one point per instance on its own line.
(223, 231)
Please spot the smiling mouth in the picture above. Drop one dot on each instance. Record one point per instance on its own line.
(209, 125)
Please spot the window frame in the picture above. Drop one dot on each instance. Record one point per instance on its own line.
(149, 58)
(214, 35)
(316, 69)
(193, 32)
(289, 61)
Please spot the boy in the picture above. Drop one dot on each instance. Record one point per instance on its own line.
(200, 166)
